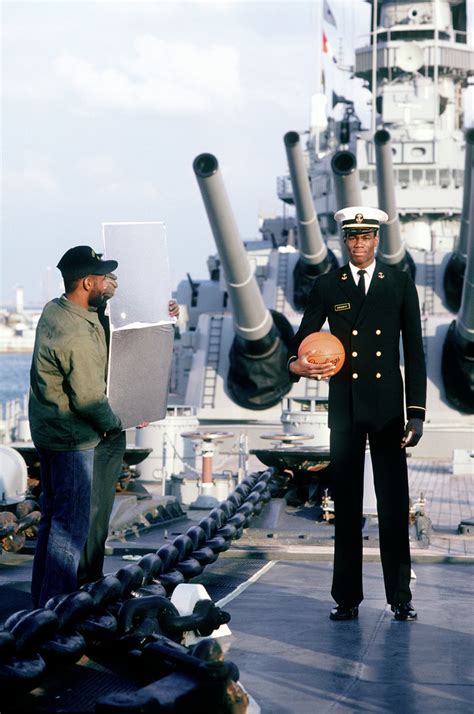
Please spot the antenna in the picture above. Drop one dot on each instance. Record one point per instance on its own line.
(409, 57)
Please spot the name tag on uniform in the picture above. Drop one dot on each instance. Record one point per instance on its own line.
(342, 306)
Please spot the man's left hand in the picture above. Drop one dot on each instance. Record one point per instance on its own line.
(110, 284)
(413, 433)
(173, 308)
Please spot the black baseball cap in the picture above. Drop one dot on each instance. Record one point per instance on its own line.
(83, 260)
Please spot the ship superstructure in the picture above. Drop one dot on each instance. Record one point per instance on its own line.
(414, 160)
(421, 65)
(417, 75)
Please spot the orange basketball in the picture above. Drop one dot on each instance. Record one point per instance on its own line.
(322, 348)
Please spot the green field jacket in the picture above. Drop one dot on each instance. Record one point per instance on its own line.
(68, 407)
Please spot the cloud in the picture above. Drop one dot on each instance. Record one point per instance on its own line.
(106, 179)
(130, 191)
(162, 77)
(35, 180)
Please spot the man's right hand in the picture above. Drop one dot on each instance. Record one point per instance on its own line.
(302, 367)
(113, 433)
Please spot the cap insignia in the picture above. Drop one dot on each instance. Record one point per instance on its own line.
(359, 218)
(93, 254)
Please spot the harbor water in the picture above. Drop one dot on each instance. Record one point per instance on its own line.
(14, 376)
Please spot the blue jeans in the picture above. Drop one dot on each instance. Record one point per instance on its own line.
(108, 459)
(66, 478)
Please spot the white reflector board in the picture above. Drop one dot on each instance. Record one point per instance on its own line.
(141, 331)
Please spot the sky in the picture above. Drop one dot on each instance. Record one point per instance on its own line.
(105, 105)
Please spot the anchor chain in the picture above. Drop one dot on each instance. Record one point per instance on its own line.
(15, 528)
(130, 611)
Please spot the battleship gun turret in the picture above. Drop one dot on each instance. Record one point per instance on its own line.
(315, 257)
(391, 249)
(257, 376)
(346, 184)
(456, 266)
(457, 366)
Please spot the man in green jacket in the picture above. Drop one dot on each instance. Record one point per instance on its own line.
(69, 414)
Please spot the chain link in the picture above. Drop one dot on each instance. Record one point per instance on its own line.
(130, 609)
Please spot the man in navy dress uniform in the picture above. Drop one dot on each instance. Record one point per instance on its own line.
(368, 307)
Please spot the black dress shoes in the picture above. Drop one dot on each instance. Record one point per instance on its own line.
(404, 611)
(344, 613)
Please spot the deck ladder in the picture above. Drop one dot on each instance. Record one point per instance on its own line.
(429, 297)
(430, 276)
(281, 283)
(212, 361)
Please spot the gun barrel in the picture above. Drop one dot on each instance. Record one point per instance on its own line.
(466, 218)
(391, 249)
(346, 185)
(313, 249)
(465, 319)
(453, 279)
(252, 320)
(458, 348)
(346, 179)
(257, 377)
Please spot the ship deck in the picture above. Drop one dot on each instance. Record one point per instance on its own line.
(275, 583)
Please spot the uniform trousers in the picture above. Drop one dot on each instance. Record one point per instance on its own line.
(108, 458)
(347, 449)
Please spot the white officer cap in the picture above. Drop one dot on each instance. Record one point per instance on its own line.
(360, 219)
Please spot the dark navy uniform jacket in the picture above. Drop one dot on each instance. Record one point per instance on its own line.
(368, 391)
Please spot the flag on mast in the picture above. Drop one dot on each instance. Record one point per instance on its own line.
(325, 44)
(326, 47)
(328, 14)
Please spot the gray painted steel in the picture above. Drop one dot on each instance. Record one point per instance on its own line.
(294, 660)
(465, 320)
(346, 185)
(391, 249)
(313, 249)
(466, 216)
(252, 320)
(346, 179)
